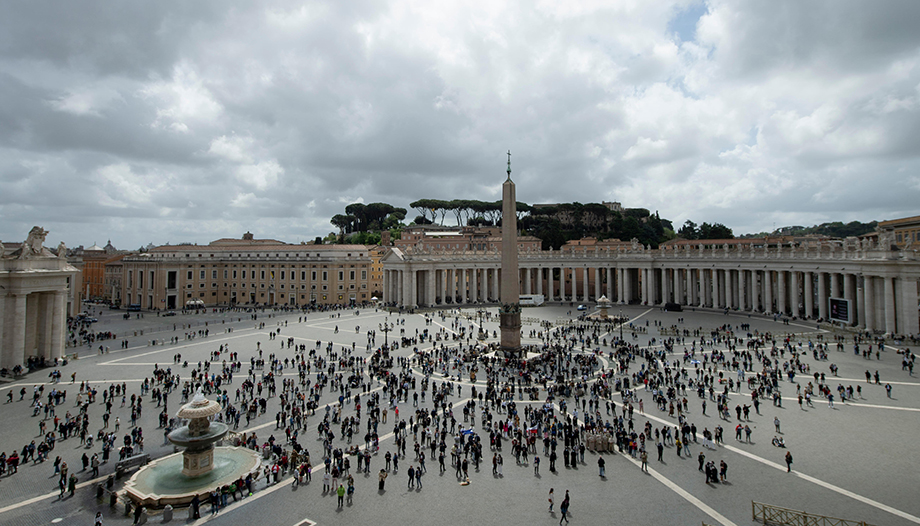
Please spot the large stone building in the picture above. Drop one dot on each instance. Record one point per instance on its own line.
(877, 283)
(905, 232)
(434, 237)
(36, 296)
(246, 271)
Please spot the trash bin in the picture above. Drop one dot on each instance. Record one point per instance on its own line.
(110, 482)
(99, 491)
(167, 513)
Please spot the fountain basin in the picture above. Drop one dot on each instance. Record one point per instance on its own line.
(183, 437)
(161, 482)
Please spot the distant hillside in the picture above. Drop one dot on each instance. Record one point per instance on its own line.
(834, 229)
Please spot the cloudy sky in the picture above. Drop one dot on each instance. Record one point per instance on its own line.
(189, 121)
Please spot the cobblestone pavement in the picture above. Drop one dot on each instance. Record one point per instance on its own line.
(854, 461)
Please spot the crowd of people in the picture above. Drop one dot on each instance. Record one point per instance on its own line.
(449, 398)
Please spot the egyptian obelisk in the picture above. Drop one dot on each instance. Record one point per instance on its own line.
(511, 288)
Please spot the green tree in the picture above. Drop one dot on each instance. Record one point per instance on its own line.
(688, 231)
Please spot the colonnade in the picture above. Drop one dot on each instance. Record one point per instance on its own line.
(881, 301)
(32, 324)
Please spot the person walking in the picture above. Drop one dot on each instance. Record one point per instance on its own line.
(411, 477)
(381, 477)
(340, 492)
(776, 423)
(644, 457)
(788, 461)
(564, 508)
(551, 502)
(601, 463)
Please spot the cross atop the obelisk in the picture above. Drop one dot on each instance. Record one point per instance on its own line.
(509, 165)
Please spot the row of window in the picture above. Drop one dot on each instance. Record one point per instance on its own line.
(281, 275)
(243, 274)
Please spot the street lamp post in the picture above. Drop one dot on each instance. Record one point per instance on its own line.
(621, 326)
(385, 329)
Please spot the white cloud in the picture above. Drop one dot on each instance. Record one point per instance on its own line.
(784, 111)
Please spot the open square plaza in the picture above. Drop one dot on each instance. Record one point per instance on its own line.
(496, 435)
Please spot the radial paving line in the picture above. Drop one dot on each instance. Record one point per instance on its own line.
(684, 493)
(668, 483)
(842, 491)
(809, 478)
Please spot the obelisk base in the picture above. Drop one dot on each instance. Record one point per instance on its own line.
(510, 324)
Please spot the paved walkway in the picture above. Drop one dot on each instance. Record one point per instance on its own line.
(851, 461)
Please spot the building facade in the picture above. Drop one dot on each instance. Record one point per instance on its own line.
(247, 271)
(879, 285)
(434, 237)
(904, 232)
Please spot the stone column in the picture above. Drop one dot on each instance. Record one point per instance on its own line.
(444, 290)
(716, 290)
(860, 301)
(386, 286)
(413, 288)
(794, 292)
(621, 285)
(822, 296)
(610, 295)
(526, 272)
(890, 312)
(18, 331)
(431, 285)
(869, 306)
(835, 284)
(665, 286)
(782, 296)
(584, 283)
(474, 285)
(742, 291)
(909, 323)
(849, 292)
(461, 285)
(705, 287)
(597, 283)
(644, 290)
(768, 291)
(630, 282)
(550, 284)
(809, 295)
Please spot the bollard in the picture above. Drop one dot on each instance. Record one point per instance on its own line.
(167, 513)
(99, 491)
(110, 482)
(128, 508)
(113, 499)
(143, 517)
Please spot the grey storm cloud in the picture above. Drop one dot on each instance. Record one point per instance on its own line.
(189, 121)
